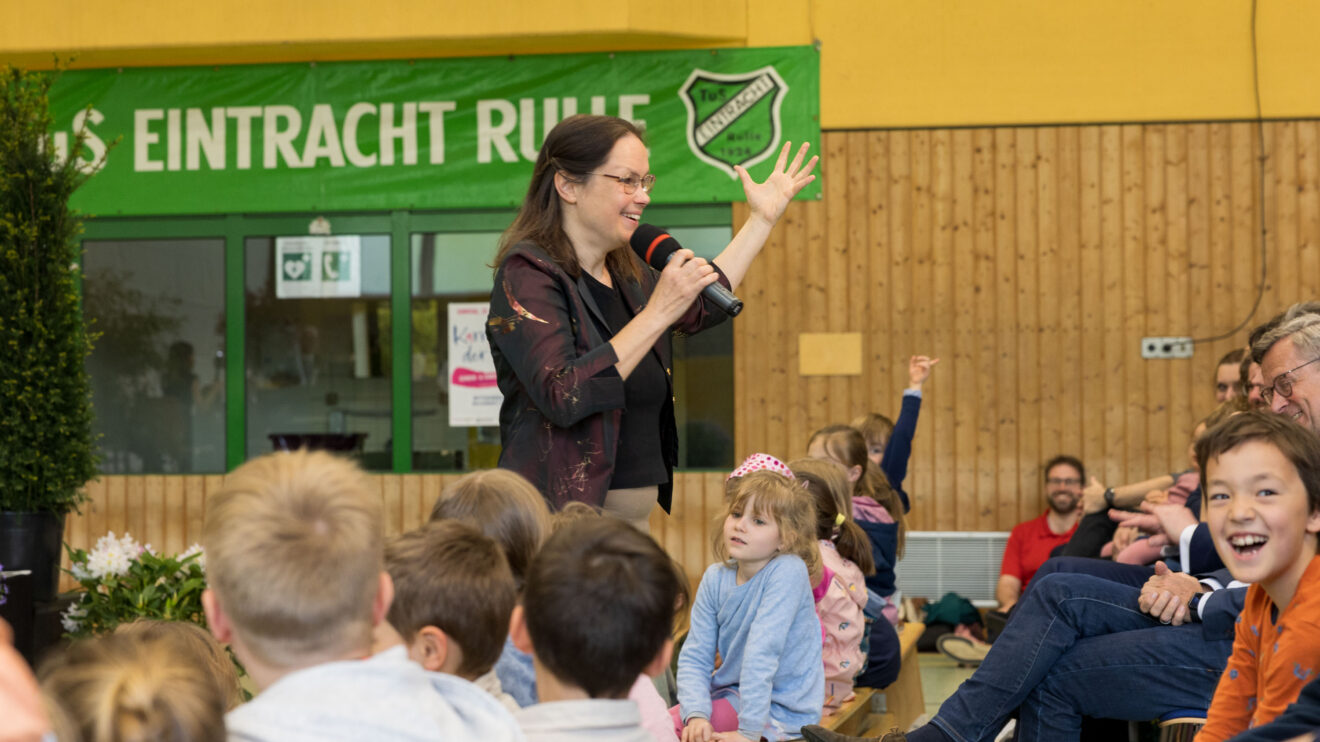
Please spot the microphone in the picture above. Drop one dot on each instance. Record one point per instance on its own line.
(655, 247)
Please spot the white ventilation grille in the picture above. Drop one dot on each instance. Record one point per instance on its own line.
(963, 562)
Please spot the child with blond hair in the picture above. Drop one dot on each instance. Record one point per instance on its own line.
(755, 609)
(295, 565)
(199, 646)
(134, 686)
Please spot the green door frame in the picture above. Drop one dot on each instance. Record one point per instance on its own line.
(234, 229)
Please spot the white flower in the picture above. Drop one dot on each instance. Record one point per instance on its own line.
(79, 571)
(195, 549)
(112, 556)
(71, 619)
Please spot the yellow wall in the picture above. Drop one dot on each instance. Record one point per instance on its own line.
(885, 63)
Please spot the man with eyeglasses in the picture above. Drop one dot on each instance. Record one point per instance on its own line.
(1292, 380)
(1031, 542)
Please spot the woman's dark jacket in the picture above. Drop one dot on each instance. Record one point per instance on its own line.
(563, 398)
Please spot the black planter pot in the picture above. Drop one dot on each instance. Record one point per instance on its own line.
(33, 541)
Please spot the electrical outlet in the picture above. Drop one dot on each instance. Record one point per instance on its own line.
(1174, 347)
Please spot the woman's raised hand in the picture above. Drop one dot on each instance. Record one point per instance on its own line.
(769, 199)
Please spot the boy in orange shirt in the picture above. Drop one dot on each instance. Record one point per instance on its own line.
(1261, 474)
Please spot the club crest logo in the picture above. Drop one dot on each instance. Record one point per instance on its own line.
(733, 119)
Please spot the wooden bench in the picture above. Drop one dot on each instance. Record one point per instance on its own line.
(874, 712)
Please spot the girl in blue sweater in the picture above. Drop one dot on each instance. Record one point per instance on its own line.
(755, 609)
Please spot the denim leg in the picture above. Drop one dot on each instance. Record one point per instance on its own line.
(1134, 575)
(1133, 675)
(1056, 613)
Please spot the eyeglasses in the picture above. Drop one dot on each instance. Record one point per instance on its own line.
(631, 182)
(1063, 481)
(1283, 384)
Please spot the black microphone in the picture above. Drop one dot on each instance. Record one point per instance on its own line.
(655, 247)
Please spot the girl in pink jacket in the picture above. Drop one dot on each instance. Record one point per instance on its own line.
(845, 554)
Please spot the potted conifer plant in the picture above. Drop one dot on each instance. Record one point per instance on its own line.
(46, 445)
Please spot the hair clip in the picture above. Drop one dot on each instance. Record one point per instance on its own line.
(838, 520)
(759, 461)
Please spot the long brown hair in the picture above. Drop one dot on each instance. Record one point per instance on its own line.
(576, 146)
(847, 446)
(828, 484)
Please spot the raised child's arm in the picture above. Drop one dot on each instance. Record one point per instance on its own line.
(898, 449)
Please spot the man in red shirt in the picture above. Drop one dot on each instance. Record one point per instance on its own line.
(1031, 542)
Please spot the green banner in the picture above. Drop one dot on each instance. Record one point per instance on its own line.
(423, 134)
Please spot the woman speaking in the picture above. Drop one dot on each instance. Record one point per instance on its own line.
(580, 328)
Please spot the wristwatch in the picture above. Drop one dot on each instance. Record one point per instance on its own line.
(1194, 607)
(1109, 496)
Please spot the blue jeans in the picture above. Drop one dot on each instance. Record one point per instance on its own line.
(1077, 645)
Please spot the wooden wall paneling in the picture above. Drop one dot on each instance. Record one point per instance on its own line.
(135, 521)
(81, 529)
(879, 287)
(940, 432)
(1090, 390)
(175, 521)
(1157, 320)
(743, 383)
(197, 505)
(712, 507)
(778, 273)
(1198, 279)
(754, 322)
(1246, 232)
(955, 379)
(115, 503)
(1026, 326)
(836, 259)
(988, 425)
(1308, 210)
(921, 318)
(94, 512)
(1184, 399)
(410, 502)
(1222, 270)
(893, 369)
(861, 305)
(1136, 413)
(817, 311)
(391, 497)
(694, 550)
(798, 295)
(153, 513)
(1049, 296)
(1066, 235)
(1011, 508)
(1280, 208)
(431, 487)
(1115, 359)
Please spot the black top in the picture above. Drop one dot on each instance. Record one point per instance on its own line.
(637, 460)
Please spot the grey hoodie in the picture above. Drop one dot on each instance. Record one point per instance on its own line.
(385, 697)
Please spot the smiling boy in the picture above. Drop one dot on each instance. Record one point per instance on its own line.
(1261, 474)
